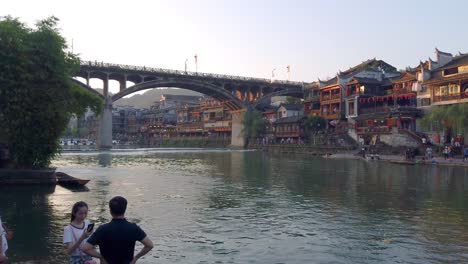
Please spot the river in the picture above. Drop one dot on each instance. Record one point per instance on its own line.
(221, 206)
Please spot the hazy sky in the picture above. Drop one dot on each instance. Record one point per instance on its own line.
(250, 38)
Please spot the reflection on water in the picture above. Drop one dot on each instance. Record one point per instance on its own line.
(105, 159)
(239, 207)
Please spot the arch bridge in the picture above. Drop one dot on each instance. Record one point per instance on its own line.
(236, 92)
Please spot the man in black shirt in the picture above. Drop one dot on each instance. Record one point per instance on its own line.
(116, 239)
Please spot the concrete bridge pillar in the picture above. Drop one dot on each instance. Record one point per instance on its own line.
(87, 78)
(105, 126)
(123, 83)
(237, 135)
(105, 90)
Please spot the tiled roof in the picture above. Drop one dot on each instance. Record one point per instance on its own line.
(373, 64)
(365, 80)
(311, 85)
(405, 76)
(296, 107)
(331, 81)
(444, 53)
(289, 119)
(457, 61)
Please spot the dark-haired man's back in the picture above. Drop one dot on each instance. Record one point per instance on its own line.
(116, 240)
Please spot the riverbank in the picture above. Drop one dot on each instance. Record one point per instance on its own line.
(303, 149)
(332, 152)
(395, 158)
(165, 143)
(27, 177)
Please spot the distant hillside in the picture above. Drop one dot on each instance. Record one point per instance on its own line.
(146, 99)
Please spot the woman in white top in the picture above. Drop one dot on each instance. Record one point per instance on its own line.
(3, 244)
(76, 233)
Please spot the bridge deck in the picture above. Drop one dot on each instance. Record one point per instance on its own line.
(101, 66)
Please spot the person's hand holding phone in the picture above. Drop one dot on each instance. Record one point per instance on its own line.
(87, 232)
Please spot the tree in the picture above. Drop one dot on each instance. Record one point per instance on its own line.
(37, 96)
(314, 124)
(254, 125)
(452, 118)
(292, 100)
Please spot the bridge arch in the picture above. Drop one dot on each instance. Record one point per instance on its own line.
(265, 100)
(214, 91)
(87, 87)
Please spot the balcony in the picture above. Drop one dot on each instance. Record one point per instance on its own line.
(372, 110)
(405, 90)
(443, 98)
(327, 97)
(333, 116)
(288, 134)
(313, 99)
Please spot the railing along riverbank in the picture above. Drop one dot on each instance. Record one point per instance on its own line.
(303, 149)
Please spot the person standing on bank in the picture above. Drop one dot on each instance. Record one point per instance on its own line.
(3, 244)
(76, 233)
(116, 239)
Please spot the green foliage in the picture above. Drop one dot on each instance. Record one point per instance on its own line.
(450, 116)
(314, 124)
(254, 125)
(292, 100)
(37, 96)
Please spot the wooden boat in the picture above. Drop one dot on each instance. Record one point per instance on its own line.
(67, 180)
(372, 157)
(403, 162)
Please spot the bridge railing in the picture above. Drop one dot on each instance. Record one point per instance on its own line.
(178, 72)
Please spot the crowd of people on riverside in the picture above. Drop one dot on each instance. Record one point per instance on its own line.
(116, 240)
(449, 151)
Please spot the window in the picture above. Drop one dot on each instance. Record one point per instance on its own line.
(463, 68)
(325, 109)
(443, 90)
(450, 71)
(453, 89)
(351, 108)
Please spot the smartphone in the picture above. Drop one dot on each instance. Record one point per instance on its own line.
(90, 227)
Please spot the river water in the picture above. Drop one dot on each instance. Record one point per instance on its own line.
(221, 206)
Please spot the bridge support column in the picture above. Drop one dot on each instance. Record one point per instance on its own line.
(87, 78)
(105, 90)
(237, 135)
(123, 83)
(105, 126)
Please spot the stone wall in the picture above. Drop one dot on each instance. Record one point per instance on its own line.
(398, 140)
(352, 133)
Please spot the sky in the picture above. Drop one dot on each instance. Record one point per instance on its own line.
(253, 37)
